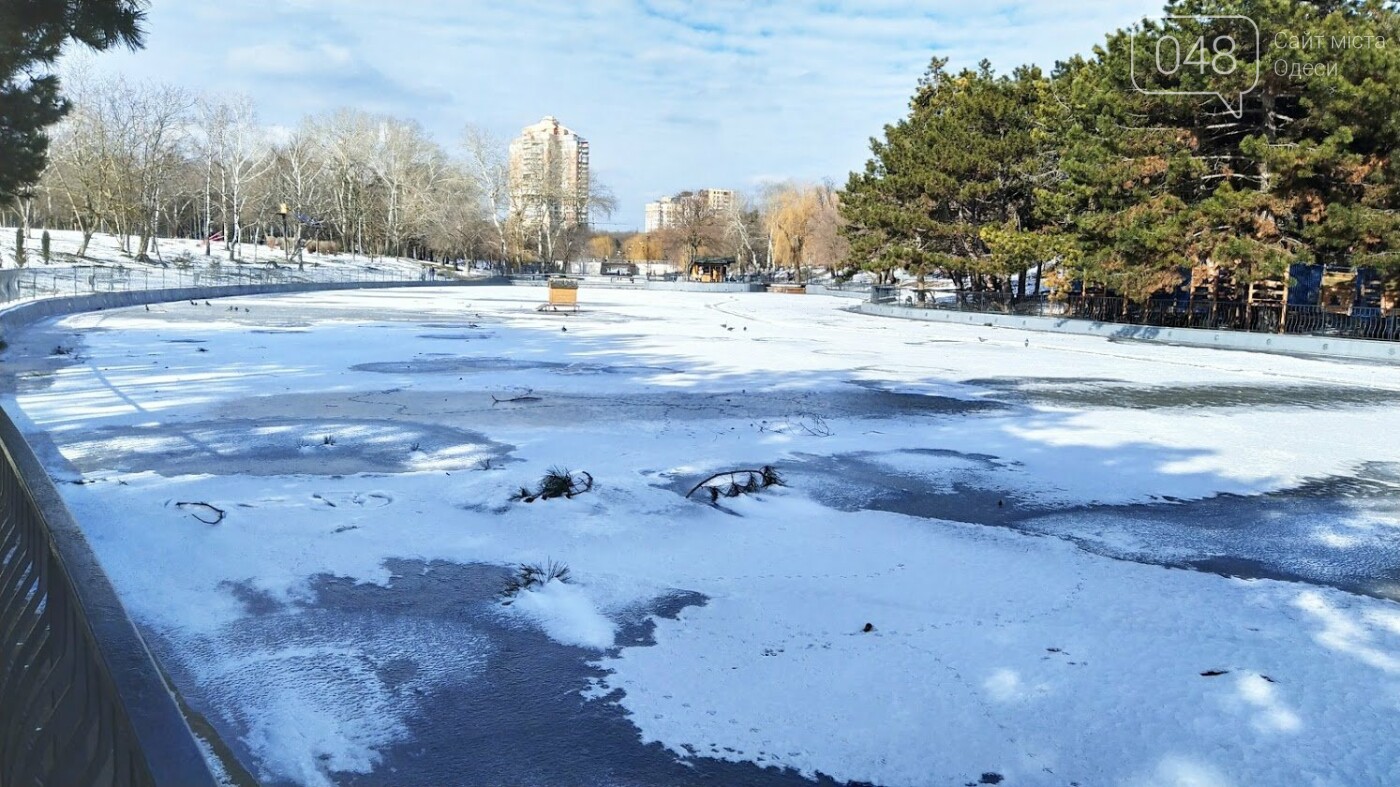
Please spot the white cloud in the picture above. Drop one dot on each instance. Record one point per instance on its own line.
(292, 60)
(671, 94)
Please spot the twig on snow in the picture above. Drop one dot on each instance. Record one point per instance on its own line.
(219, 513)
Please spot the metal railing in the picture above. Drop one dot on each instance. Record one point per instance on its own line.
(844, 286)
(1313, 320)
(22, 284)
(82, 702)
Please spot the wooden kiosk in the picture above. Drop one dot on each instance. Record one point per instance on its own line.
(563, 295)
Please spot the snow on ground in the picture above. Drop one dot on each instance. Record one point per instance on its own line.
(105, 250)
(342, 431)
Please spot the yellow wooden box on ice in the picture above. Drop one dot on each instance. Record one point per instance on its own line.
(563, 292)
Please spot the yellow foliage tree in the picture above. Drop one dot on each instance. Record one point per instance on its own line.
(789, 217)
(642, 247)
(602, 247)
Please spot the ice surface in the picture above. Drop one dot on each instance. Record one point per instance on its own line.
(992, 650)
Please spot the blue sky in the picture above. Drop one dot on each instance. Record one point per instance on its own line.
(671, 95)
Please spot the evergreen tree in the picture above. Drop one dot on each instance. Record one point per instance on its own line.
(1127, 171)
(32, 35)
(1130, 176)
(962, 162)
(1299, 173)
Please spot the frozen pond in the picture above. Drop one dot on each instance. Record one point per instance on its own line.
(998, 556)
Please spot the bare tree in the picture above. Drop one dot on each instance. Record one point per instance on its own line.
(742, 229)
(694, 226)
(485, 164)
(150, 139)
(296, 176)
(245, 156)
(210, 132)
(345, 139)
(644, 247)
(407, 167)
(82, 166)
(456, 224)
(119, 157)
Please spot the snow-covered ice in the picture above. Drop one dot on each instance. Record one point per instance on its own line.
(1010, 512)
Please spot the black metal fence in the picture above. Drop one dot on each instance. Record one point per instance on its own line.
(18, 284)
(82, 702)
(1357, 323)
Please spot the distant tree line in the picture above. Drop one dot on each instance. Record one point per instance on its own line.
(140, 160)
(1125, 182)
(145, 160)
(790, 225)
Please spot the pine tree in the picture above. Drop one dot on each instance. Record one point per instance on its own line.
(1133, 183)
(1127, 174)
(33, 33)
(1157, 183)
(963, 162)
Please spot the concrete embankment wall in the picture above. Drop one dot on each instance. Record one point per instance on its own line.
(818, 289)
(1291, 344)
(696, 286)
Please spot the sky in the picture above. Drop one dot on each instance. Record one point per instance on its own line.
(670, 95)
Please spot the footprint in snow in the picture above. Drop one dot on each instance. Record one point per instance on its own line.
(372, 499)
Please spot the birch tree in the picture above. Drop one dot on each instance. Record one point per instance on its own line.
(244, 156)
(484, 159)
(151, 138)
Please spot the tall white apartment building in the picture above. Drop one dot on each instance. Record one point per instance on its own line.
(549, 174)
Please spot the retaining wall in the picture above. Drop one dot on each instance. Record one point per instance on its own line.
(820, 289)
(699, 286)
(1291, 344)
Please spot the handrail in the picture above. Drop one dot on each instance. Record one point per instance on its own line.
(82, 701)
(1271, 318)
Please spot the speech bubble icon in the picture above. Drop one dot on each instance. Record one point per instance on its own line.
(1202, 48)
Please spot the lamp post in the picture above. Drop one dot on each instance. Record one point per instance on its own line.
(283, 210)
